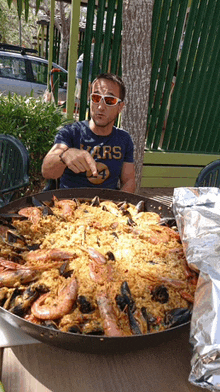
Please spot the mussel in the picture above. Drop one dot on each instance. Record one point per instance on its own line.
(176, 317)
(84, 305)
(160, 294)
(133, 323)
(125, 299)
(95, 202)
(74, 329)
(150, 319)
(27, 299)
(50, 324)
(166, 221)
(92, 327)
(46, 210)
(140, 207)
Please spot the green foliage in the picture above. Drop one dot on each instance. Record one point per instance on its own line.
(9, 24)
(32, 121)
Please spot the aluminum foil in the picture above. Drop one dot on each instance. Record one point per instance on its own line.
(197, 212)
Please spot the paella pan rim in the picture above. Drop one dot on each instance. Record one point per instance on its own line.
(91, 343)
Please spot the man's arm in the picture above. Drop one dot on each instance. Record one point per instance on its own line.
(76, 160)
(128, 177)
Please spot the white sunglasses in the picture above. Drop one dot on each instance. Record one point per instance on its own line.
(109, 100)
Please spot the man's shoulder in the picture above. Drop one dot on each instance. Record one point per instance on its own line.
(74, 125)
(122, 132)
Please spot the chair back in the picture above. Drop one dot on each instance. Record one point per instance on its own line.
(209, 175)
(14, 165)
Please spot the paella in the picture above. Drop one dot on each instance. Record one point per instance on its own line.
(94, 267)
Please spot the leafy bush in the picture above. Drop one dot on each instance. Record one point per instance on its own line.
(32, 121)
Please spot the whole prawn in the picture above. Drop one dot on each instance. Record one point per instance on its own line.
(60, 306)
(108, 316)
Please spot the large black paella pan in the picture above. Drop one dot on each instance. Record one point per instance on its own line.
(91, 343)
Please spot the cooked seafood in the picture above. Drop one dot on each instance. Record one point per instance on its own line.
(98, 267)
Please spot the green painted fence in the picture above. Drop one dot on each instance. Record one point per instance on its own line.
(184, 103)
(107, 49)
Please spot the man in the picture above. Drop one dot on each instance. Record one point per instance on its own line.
(95, 153)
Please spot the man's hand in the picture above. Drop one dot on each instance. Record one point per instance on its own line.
(76, 160)
(80, 161)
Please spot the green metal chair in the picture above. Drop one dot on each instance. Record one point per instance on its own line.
(14, 165)
(209, 175)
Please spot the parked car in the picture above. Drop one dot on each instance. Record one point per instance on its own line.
(22, 71)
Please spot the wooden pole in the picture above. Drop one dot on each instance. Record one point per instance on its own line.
(72, 58)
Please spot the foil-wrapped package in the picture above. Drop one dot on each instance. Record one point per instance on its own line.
(197, 212)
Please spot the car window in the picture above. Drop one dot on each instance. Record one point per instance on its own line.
(12, 68)
(39, 71)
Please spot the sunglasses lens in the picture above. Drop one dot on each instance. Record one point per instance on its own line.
(111, 101)
(96, 98)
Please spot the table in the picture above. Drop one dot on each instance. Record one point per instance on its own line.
(154, 369)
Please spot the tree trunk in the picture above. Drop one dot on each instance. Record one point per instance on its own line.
(136, 73)
(65, 33)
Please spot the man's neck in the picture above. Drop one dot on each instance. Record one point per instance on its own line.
(100, 131)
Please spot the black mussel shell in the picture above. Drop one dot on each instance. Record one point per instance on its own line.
(12, 239)
(125, 300)
(110, 255)
(130, 222)
(133, 324)
(166, 221)
(50, 324)
(19, 310)
(63, 267)
(115, 235)
(74, 329)
(46, 210)
(7, 299)
(95, 202)
(96, 331)
(27, 299)
(140, 207)
(121, 301)
(160, 294)
(150, 319)
(126, 293)
(122, 205)
(152, 262)
(177, 316)
(84, 305)
(3, 295)
(6, 219)
(92, 327)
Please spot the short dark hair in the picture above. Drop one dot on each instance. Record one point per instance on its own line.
(114, 78)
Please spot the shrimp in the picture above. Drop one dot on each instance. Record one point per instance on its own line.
(13, 278)
(155, 234)
(67, 207)
(10, 265)
(34, 214)
(61, 305)
(187, 296)
(155, 279)
(51, 254)
(108, 316)
(100, 270)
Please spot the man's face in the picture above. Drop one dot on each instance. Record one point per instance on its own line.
(102, 114)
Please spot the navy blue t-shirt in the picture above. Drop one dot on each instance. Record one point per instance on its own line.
(110, 152)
